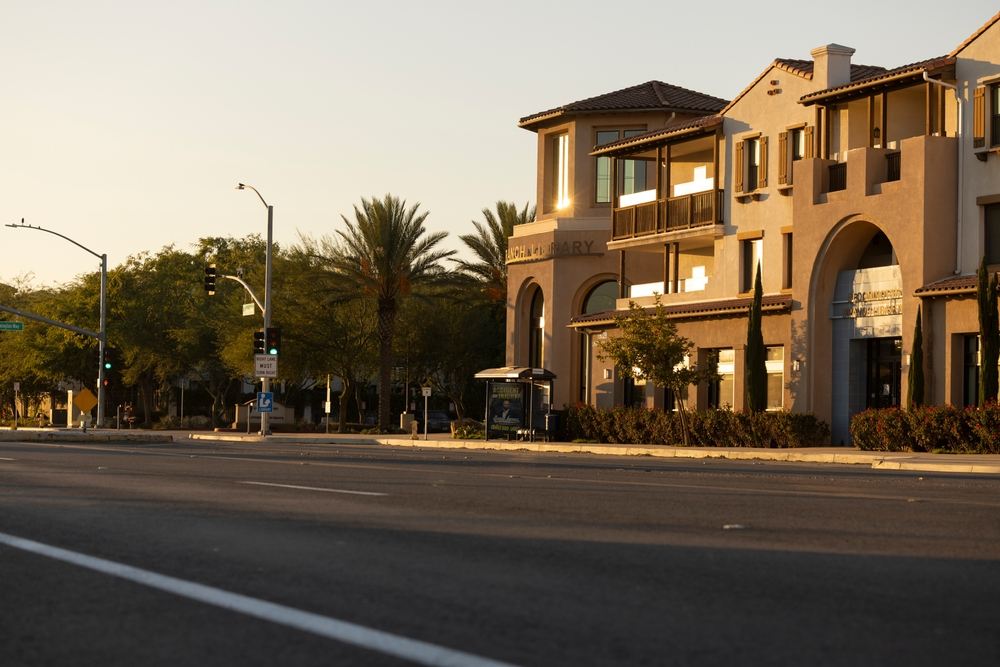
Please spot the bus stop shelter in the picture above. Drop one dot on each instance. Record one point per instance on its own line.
(518, 402)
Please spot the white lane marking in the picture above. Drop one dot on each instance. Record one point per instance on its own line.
(316, 488)
(414, 650)
(3, 459)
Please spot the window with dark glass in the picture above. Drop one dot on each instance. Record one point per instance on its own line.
(632, 173)
(536, 330)
(603, 169)
(752, 152)
(991, 218)
(995, 114)
(599, 299)
(970, 369)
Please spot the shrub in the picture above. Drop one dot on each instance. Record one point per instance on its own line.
(709, 428)
(929, 429)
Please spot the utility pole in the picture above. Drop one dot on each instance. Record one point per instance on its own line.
(265, 382)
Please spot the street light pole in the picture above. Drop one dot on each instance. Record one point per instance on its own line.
(102, 338)
(265, 383)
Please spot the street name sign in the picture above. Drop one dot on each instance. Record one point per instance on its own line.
(7, 325)
(266, 365)
(265, 401)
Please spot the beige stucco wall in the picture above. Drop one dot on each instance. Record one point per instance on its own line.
(832, 230)
(977, 63)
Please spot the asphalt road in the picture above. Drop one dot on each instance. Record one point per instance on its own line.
(344, 555)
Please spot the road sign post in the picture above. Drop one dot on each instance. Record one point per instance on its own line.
(426, 391)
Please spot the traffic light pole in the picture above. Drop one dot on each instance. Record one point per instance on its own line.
(265, 417)
(265, 382)
(102, 335)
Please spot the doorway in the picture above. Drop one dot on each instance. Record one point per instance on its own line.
(884, 372)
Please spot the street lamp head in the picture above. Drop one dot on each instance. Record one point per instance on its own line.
(240, 186)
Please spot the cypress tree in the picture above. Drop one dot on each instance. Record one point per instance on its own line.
(915, 380)
(989, 335)
(756, 354)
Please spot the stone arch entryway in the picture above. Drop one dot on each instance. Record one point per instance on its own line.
(856, 324)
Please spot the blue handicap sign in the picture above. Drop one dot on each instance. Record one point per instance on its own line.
(265, 401)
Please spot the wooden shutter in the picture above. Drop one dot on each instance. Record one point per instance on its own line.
(979, 118)
(762, 168)
(739, 168)
(810, 142)
(784, 158)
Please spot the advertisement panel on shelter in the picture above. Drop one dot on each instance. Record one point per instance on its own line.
(506, 409)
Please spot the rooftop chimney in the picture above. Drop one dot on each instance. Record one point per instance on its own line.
(831, 66)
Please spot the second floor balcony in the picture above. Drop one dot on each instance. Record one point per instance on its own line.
(700, 211)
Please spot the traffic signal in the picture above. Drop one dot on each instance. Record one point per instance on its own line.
(273, 343)
(210, 275)
(258, 342)
(110, 359)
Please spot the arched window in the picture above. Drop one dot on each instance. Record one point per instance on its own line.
(536, 330)
(600, 298)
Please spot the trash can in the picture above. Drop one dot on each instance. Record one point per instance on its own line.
(551, 425)
(406, 421)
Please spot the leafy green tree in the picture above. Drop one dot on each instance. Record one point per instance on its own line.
(384, 254)
(489, 246)
(649, 348)
(915, 379)
(989, 334)
(447, 341)
(324, 335)
(756, 353)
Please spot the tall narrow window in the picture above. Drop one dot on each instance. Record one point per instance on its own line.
(536, 332)
(722, 390)
(995, 114)
(603, 167)
(751, 149)
(775, 364)
(991, 233)
(560, 171)
(970, 369)
(751, 251)
(599, 299)
(786, 269)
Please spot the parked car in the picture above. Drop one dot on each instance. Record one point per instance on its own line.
(438, 421)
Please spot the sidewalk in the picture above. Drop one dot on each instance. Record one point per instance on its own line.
(909, 461)
(988, 464)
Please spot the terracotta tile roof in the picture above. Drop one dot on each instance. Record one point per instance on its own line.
(696, 310)
(671, 130)
(883, 76)
(949, 285)
(649, 96)
(803, 68)
(974, 36)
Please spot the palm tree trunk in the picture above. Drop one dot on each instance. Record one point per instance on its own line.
(386, 329)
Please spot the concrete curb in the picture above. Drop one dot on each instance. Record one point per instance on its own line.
(875, 460)
(283, 437)
(79, 436)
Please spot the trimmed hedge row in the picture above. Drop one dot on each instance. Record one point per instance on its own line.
(711, 428)
(944, 428)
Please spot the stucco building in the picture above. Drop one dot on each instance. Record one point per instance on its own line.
(862, 192)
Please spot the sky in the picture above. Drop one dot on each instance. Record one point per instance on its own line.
(126, 125)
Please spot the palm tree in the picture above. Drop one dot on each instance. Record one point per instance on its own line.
(489, 245)
(385, 254)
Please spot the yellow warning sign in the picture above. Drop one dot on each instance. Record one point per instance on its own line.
(85, 400)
